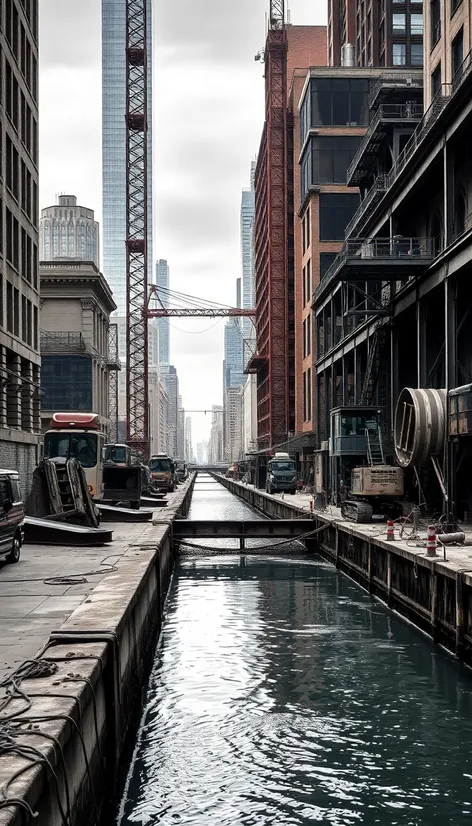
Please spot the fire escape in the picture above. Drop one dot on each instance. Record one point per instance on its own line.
(271, 362)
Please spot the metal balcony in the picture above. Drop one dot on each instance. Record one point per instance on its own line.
(395, 87)
(374, 195)
(62, 342)
(380, 259)
(387, 116)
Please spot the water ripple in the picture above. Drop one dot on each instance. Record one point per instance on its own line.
(282, 694)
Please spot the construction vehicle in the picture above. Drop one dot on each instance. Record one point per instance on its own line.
(162, 468)
(281, 474)
(78, 436)
(181, 470)
(362, 480)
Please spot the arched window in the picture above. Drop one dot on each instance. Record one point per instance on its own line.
(437, 233)
(460, 213)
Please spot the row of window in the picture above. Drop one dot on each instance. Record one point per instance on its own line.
(414, 27)
(20, 182)
(18, 315)
(404, 55)
(20, 113)
(457, 61)
(18, 40)
(335, 102)
(19, 248)
(435, 33)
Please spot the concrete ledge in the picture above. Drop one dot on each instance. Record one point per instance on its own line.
(92, 706)
(433, 593)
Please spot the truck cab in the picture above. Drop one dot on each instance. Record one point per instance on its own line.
(281, 474)
(119, 455)
(162, 469)
(78, 436)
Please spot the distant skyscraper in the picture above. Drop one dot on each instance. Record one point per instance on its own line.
(247, 261)
(162, 280)
(171, 381)
(216, 446)
(189, 457)
(114, 146)
(233, 363)
(68, 231)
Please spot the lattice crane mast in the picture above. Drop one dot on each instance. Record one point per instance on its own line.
(137, 184)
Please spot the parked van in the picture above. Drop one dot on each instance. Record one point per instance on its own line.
(12, 516)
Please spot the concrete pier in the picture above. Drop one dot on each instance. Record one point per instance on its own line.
(97, 637)
(432, 592)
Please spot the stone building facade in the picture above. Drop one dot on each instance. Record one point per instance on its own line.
(76, 303)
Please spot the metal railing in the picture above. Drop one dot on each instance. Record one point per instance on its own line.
(379, 187)
(398, 247)
(387, 112)
(410, 80)
(62, 342)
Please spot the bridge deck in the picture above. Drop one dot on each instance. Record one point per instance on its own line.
(247, 528)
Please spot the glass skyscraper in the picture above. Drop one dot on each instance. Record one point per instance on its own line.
(162, 280)
(247, 262)
(114, 146)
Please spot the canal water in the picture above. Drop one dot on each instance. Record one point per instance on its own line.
(283, 694)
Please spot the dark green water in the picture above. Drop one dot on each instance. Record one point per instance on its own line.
(283, 694)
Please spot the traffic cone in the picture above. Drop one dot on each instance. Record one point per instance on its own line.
(431, 542)
(390, 531)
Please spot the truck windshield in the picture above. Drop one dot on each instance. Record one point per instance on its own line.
(160, 465)
(81, 446)
(116, 454)
(282, 467)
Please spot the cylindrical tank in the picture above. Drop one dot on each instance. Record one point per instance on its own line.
(420, 425)
(347, 55)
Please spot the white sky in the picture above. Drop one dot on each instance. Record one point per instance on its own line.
(208, 115)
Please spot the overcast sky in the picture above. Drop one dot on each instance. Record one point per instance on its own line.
(208, 115)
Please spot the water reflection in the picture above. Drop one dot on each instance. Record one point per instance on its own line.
(282, 694)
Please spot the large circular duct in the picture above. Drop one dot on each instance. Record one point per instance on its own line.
(420, 425)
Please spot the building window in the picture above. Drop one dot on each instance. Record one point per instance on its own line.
(416, 54)
(326, 259)
(336, 210)
(304, 285)
(308, 394)
(436, 81)
(339, 102)
(308, 335)
(331, 157)
(454, 6)
(457, 56)
(435, 21)
(399, 54)
(308, 281)
(416, 24)
(308, 228)
(399, 24)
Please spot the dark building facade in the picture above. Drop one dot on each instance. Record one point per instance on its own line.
(392, 312)
(375, 33)
(19, 285)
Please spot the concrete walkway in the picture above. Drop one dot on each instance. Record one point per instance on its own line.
(30, 608)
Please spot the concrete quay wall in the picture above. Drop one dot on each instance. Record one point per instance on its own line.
(72, 738)
(432, 593)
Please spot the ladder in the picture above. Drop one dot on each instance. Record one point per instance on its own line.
(375, 451)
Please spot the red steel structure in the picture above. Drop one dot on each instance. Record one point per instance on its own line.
(271, 245)
(179, 305)
(137, 395)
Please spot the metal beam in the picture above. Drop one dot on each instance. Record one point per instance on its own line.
(250, 529)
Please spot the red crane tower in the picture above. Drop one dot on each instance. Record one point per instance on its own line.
(271, 244)
(137, 69)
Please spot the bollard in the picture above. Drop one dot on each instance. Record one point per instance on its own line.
(431, 542)
(390, 531)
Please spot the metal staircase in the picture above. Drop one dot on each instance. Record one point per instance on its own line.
(374, 361)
